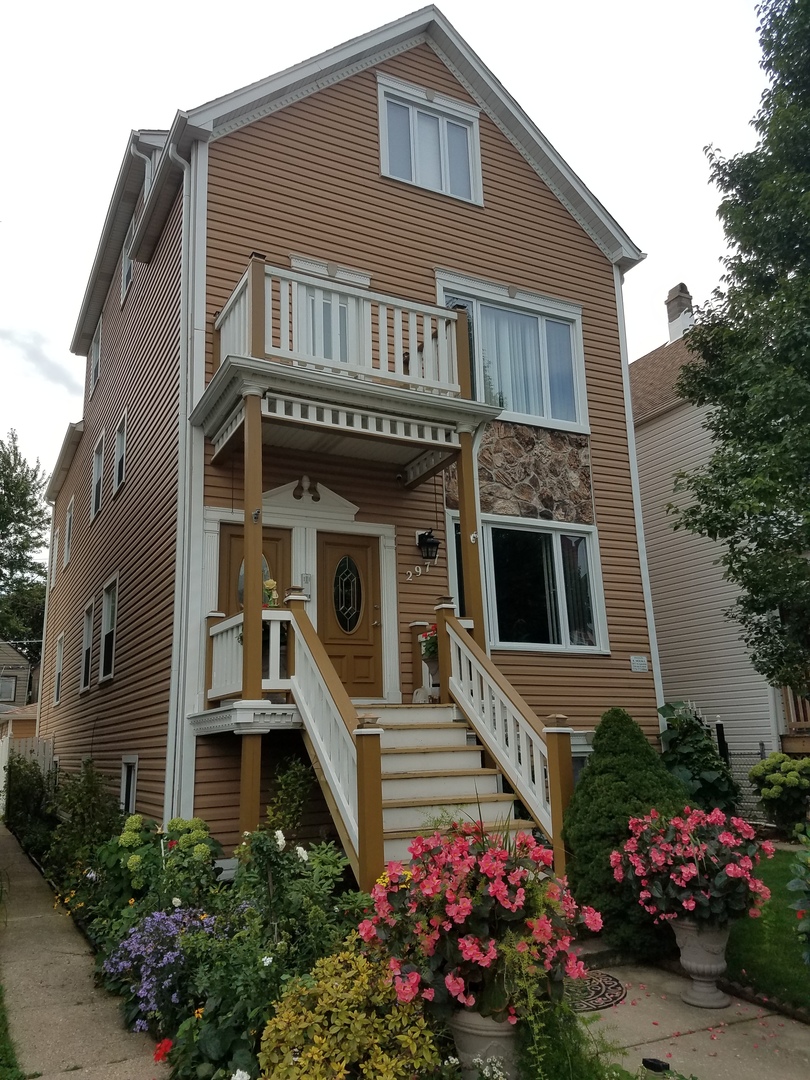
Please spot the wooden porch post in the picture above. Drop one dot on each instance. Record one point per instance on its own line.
(443, 608)
(371, 854)
(560, 782)
(256, 313)
(250, 776)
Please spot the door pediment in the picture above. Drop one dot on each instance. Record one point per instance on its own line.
(308, 498)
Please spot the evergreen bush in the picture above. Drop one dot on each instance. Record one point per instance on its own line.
(691, 756)
(30, 806)
(625, 777)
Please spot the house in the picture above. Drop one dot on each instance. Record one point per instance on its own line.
(336, 316)
(15, 673)
(703, 658)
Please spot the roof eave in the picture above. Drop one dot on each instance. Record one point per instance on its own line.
(70, 444)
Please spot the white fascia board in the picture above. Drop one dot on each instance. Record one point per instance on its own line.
(70, 444)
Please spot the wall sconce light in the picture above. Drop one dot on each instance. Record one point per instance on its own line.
(428, 544)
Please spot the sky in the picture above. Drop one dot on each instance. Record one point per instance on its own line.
(629, 92)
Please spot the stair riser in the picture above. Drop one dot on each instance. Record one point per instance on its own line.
(433, 761)
(424, 736)
(422, 787)
(396, 818)
(414, 714)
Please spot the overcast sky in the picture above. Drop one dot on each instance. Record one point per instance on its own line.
(628, 91)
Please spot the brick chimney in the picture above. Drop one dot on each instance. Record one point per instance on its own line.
(679, 311)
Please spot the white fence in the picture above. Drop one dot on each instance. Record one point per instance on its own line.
(39, 749)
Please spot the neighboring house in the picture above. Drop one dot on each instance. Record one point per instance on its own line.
(703, 658)
(282, 392)
(18, 723)
(15, 672)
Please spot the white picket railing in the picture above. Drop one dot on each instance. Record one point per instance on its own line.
(327, 729)
(311, 322)
(226, 661)
(517, 748)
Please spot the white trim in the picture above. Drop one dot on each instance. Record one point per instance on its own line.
(129, 759)
(105, 589)
(121, 430)
(54, 557)
(67, 547)
(87, 644)
(127, 262)
(97, 478)
(634, 483)
(59, 668)
(416, 98)
(94, 357)
(309, 264)
(481, 290)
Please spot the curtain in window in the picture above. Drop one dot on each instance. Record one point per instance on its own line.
(563, 404)
(512, 363)
(576, 577)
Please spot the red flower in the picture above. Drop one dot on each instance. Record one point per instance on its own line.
(162, 1049)
(170, 845)
(800, 914)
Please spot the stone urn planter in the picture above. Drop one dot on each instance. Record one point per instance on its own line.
(703, 958)
(482, 1037)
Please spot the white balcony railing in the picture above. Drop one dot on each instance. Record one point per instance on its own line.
(312, 322)
(226, 661)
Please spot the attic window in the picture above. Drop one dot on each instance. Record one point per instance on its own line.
(429, 140)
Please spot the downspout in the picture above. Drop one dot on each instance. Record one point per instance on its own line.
(174, 741)
(636, 489)
(147, 173)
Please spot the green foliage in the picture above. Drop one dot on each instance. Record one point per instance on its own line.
(624, 778)
(89, 813)
(783, 785)
(801, 905)
(30, 803)
(752, 366)
(24, 521)
(345, 1016)
(9, 1068)
(691, 756)
(293, 783)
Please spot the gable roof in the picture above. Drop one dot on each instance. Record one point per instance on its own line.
(225, 114)
(653, 378)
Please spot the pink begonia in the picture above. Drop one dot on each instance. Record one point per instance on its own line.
(367, 930)
(716, 817)
(689, 904)
(768, 849)
(574, 968)
(592, 919)
(407, 986)
(459, 912)
(428, 993)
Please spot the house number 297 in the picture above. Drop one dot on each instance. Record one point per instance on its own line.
(417, 572)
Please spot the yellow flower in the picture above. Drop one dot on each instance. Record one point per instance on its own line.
(198, 1014)
(131, 901)
(203, 916)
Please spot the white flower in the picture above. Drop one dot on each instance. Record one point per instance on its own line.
(176, 901)
(267, 960)
(282, 843)
(302, 854)
(240, 1074)
(246, 834)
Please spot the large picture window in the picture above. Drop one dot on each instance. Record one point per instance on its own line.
(526, 351)
(429, 140)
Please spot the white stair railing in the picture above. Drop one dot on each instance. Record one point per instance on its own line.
(502, 722)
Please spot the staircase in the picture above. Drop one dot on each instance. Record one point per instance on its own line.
(432, 768)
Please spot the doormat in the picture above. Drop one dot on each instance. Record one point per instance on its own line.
(597, 990)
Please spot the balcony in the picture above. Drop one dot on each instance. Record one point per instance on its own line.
(341, 370)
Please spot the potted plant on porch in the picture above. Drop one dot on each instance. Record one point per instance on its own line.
(695, 870)
(473, 920)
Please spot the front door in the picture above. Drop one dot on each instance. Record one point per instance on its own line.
(349, 611)
(275, 565)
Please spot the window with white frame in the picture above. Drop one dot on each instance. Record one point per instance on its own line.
(526, 349)
(57, 674)
(95, 357)
(8, 687)
(126, 260)
(98, 478)
(429, 140)
(129, 779)
(68, 532)
(87, 646)
(544, 585)
(109, 611)
(54, 556)
(119, 466)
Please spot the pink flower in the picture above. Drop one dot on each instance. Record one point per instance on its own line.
(574, 968)
(716, 817)
(592, 919)
(455, 986)
(689, 904)
(366, 930)
(459, 912)
(428, 993)
(767, 848)
(407, 986)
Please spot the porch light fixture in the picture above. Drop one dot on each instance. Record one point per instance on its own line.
(428, 545)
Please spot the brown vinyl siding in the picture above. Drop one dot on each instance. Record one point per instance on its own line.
(133, 536)
(307, 180)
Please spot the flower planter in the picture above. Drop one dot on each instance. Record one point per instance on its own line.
(478, 1036)
(703, 958)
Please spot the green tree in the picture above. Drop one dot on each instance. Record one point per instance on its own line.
(24, 521)
(752, 367)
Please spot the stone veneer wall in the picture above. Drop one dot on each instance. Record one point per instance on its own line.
(531, 472)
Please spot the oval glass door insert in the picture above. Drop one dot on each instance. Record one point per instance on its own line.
(348, 594)
(240, 583)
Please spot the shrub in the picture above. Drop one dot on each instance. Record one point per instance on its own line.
(30, 806)
(783, 785)
(691, 756)
(345, 1019)
(624, 778)
(89, 814)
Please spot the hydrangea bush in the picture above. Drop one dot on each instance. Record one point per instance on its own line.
(783, 785)
(694, 865)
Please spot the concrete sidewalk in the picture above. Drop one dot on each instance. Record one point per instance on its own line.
(62, 1025)
(741, 1042)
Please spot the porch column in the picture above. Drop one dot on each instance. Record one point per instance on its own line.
(560, 781)
(250, 776)
(470, 539)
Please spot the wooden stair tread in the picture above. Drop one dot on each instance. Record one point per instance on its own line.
(430, 774)
(453, 800)
(439, 748)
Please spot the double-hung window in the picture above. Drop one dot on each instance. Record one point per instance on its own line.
(8, 688)
(98, 477)
(526, 350)
(129, 780)
(95, 357)
(54, 556)
(109, 612)
(429, 140)
(57, 674)
(87, 646)
(68, 532)
(119, 465)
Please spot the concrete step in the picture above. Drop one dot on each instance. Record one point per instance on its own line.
(398, 734)
(415, 759)
(401, 814)
(449, 781)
